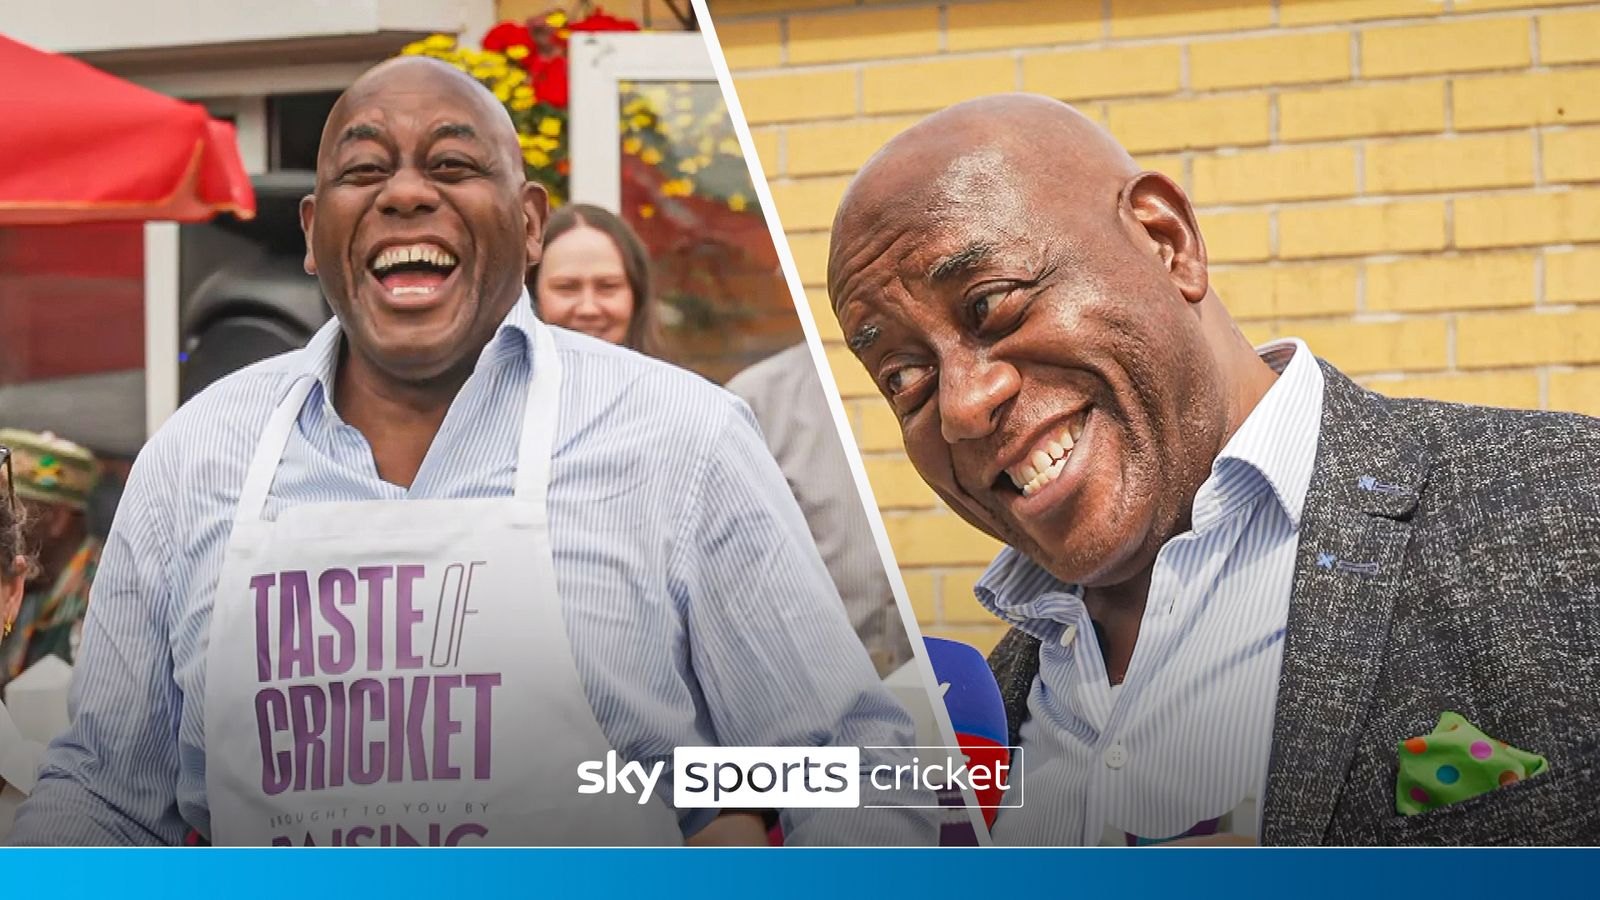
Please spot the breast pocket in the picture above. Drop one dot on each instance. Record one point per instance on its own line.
(1552, 808)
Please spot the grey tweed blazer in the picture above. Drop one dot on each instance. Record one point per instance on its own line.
(1449, 559)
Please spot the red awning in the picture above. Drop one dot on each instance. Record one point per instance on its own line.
(79, 145)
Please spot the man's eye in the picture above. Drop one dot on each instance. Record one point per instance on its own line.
(363, 170)
(904, 379)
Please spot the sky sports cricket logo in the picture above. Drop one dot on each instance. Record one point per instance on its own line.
(812, 777)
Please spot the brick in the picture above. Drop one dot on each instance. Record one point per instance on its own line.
(958, 605)
(1460, 46)
(1396, 227)
(879, 429)
(1577, 391)
(1472, 6)
(921, 593)
(1306, 173)
(1286, 59)
(1118, 72)
(1571, 155)
(1237, 236)
(1569, 37)
(1493, 340)
(1203, 122)
(808, 204)
(749, 45)
(1407, 108)
(1001, 26)
(873, 34)
(1317, 12)
(1515, 390)
(1510, 220)
(1142, 18)
(850, 375)
(839, 148)
(766, 141)
(822, 312)
(721, 9)
(797, 97)
(1359, 348)
(810, 256)
(939, 539)
(1269, 292)
(925, 86)
(1448, 164)
(1535, 98)
(1572, 276)
(1452, 282)
(897, 485)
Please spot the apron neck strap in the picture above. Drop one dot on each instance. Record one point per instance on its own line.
(539, 418)
(269, 450)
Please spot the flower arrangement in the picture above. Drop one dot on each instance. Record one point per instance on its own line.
(673, 136)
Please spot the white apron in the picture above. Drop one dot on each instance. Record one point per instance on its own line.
(397, 672)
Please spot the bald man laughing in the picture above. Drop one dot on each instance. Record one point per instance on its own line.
(448, 575)
(1243, 591)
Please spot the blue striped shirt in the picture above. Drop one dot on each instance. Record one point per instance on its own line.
(1186, 737)
(697, 606)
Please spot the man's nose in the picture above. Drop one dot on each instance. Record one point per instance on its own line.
(408, 192)
(971, 395)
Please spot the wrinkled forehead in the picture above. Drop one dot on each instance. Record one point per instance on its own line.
(898, 224)
(425, 96)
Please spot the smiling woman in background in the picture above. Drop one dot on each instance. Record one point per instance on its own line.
(595, 278)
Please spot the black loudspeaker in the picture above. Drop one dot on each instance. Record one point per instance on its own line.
(245, 294)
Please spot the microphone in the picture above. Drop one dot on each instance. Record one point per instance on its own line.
(977, 713)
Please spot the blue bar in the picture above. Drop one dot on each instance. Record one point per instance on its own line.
(763, 874)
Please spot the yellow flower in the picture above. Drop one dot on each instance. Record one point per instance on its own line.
(737, 203)
(523, 90)
(521, 104)
(550, 127)
(631, 146)
(502, 92)
(517, 51)
(439, 42)
(640, 121)
(536, 158)
(415, 49)
(651, 156)
(677, 187)
(545, 143)
(729, 147)
(646, 211)
(563, 33)
(688, 167)
(635, 106)
(556, 19)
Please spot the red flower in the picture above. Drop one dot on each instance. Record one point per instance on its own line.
(508, 34)
(549, 78)
(599, 20)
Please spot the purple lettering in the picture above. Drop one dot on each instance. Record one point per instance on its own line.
(469, 829)
(310, 718)
(482, 720)
(406, 617)
(262, 585)
(375, 576)
(295, 647)
(336, 733)
(369, 770)
(444, 727)
(271, 705)
(336, 655)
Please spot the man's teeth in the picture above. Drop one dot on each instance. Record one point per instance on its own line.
(1043, 464)
(427, 253)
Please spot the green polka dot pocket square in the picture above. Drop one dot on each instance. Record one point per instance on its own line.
(1455, 762)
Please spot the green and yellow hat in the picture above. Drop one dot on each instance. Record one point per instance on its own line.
(49, 469)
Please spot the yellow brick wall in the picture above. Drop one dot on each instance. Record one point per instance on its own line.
(1413, 186)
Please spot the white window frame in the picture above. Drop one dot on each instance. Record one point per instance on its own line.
(598, 63)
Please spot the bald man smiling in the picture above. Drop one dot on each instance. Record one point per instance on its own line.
(1240, 586)
(448, 575)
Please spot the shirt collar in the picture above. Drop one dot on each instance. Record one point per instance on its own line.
(321, 354)
(1276, 444)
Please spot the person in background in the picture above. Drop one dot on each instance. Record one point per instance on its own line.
(595, 278)
(786, 395)
(53, 480)
(19, 758)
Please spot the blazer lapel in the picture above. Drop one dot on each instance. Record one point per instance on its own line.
(1348, 569)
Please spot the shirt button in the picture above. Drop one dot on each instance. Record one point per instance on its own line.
(1116, 756)
(1069, 635)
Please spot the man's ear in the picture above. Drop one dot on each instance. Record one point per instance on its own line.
(308, 209)
(536, 205)
(1166, 218)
